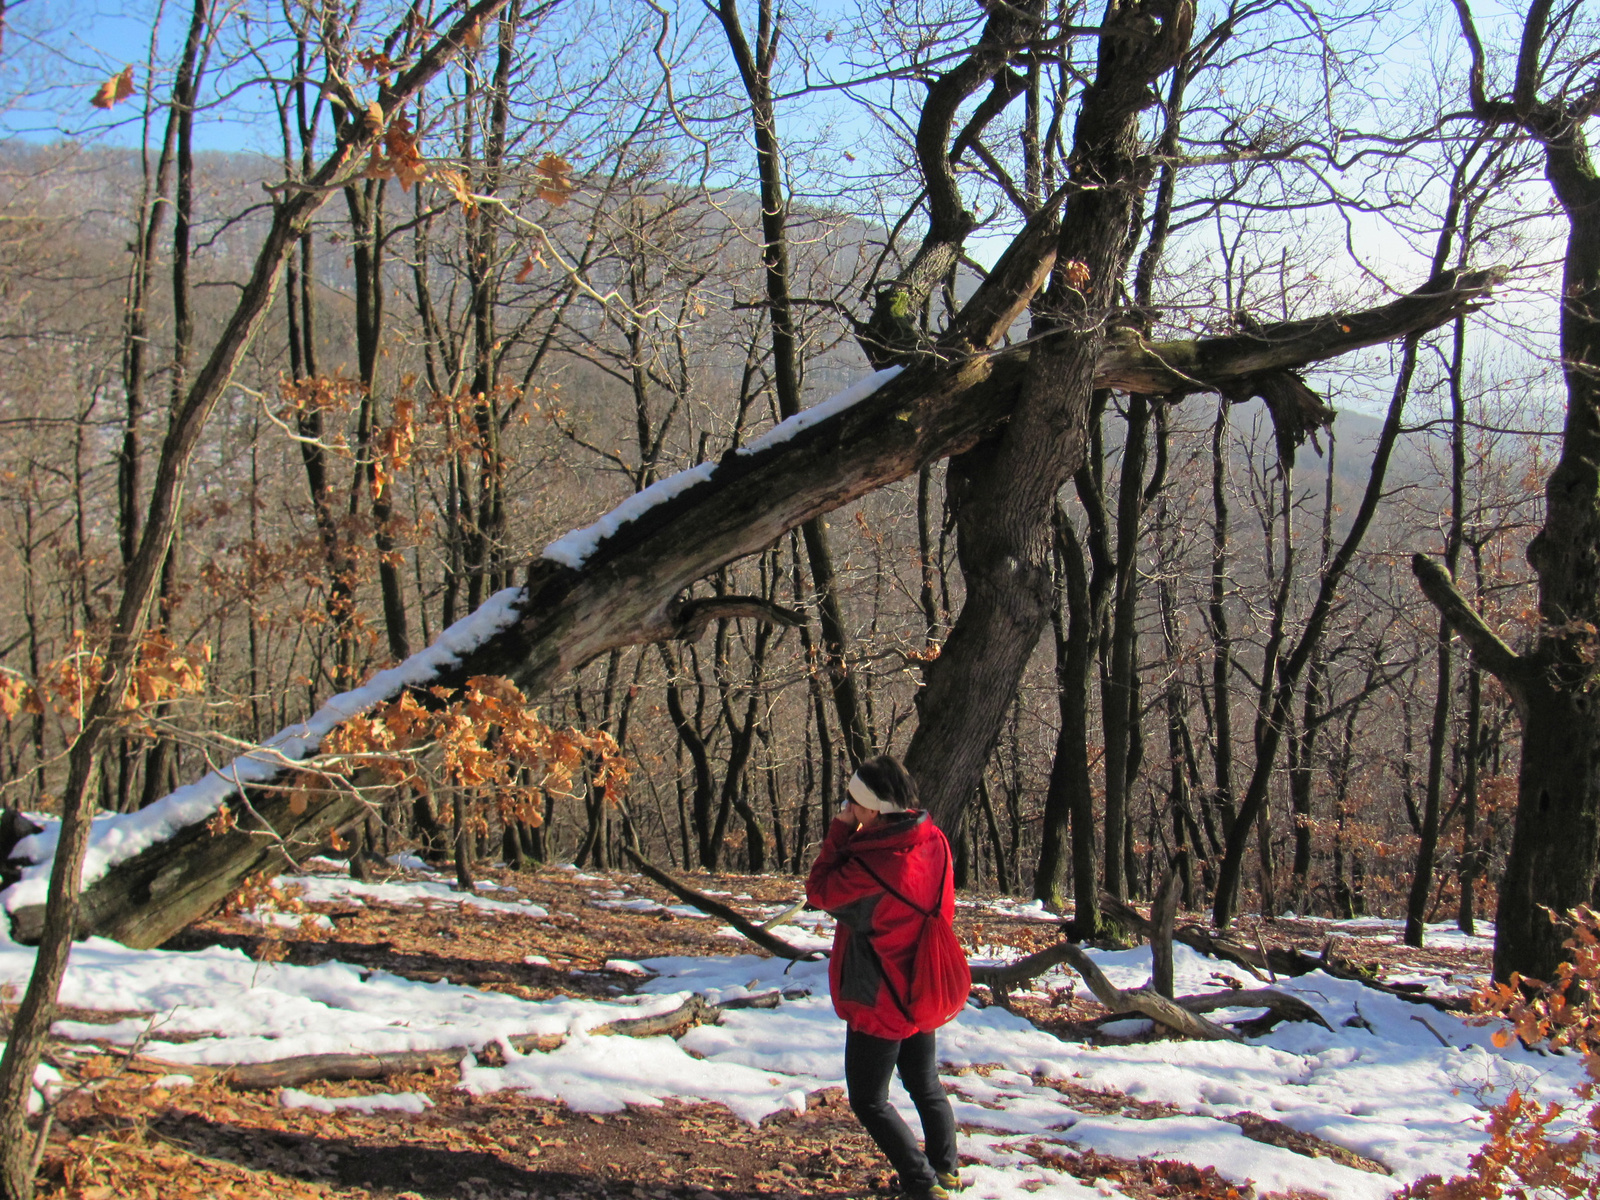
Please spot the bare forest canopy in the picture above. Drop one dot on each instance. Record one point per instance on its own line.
(1130, 262)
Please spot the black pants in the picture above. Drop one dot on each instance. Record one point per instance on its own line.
(869, 1062)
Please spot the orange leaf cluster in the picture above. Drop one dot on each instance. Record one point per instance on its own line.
(259, 892)
(331, 394)
(1521, 1159)
(394, 444)
(17, 695)
(162, 670)
(400, 154)
(456, 183)
(533, 260)
(376, 62)
(492, 742)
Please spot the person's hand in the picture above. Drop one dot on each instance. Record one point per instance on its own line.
(864, 818)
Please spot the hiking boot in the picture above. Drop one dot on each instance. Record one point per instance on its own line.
(933, 1192)
(950, 1181)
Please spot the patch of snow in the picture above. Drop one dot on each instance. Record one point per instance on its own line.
(821, 411)
(625, 966)
(283, 920)
(116, 837)
(1032, 910)
(405, 1102)
(1442, 934)
(218, 1007)
(327, 888)
(410, 862)
(589, 1075)
(574, 549)
(1385, 1089)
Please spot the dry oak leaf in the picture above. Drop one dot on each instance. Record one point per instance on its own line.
(118, 87)
(555, 180)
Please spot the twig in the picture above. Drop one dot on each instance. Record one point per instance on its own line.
(783, 917)
(1428, 1025)
(1261, 945)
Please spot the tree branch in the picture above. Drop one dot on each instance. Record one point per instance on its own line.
(1223, 364)
(1490, 652)
(688, 622)
(758, 935)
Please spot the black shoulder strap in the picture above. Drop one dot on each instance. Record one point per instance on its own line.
(900, 896)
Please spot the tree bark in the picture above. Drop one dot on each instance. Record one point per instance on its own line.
(1118, 704)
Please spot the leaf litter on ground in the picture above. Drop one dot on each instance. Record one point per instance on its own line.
(749, 1107)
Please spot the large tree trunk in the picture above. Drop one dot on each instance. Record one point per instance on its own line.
(627, 587)
(1004, 491)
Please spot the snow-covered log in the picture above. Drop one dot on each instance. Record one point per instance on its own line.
(623, 581)
(307, 1068)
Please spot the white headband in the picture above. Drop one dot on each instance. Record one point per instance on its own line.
(863, 795)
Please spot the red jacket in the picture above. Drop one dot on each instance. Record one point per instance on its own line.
(875, 940)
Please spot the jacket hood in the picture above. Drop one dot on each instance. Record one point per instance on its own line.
(895, 831)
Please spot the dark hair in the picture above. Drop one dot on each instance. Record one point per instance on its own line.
(885, 775)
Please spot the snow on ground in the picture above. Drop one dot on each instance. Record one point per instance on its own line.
(1398, 1083)
(404, 1102)
(115, 837)
(1386, 930)
(322, 888)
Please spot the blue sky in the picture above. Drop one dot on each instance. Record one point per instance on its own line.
(57, 52)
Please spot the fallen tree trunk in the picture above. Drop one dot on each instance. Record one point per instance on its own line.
(1155, 1001)
(199, 867)
(1281, 1005)
(309, 1068)
(623, 581)
(1003, 978)
(1144, 1002)
(1180, 1014)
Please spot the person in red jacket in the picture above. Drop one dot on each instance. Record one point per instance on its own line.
(879, 853)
